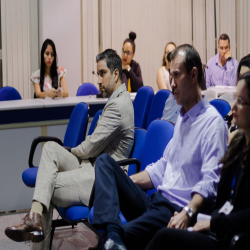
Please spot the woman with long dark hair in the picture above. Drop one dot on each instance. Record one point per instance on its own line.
(49, 80)
(232, 208)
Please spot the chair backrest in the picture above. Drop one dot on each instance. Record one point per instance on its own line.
(222, 106)
(157, 105)
(8, 93)
(210, 94)
(229, 97)
(139, 141)
(159, 134)
(142, 105)
(77, 125)
(87, 89)
(94, 121)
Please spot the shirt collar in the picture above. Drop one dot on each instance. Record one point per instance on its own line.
(195, 110)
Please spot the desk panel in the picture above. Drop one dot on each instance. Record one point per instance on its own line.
(21, 115)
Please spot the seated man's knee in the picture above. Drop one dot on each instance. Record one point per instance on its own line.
(104, 161)
(50, 145)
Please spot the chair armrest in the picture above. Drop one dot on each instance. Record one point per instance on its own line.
(240, 241)
(68, 148)
(130, 161)
(38, 140)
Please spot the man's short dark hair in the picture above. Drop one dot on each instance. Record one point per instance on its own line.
(192, 59)
(112, 60)
(224, 37)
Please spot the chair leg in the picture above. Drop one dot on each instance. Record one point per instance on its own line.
(52, 234)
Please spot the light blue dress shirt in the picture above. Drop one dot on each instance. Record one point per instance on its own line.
(218, 75)
(190, 161)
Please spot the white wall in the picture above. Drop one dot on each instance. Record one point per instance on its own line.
(60, 20)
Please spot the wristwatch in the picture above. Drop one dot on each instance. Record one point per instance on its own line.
(129, 68)
(189, 211)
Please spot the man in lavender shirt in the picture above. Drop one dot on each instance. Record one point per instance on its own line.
(186, 176)
(222, 68)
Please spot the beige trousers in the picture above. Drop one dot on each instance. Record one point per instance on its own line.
(57, 183)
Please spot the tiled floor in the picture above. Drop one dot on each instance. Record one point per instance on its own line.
(64, 238)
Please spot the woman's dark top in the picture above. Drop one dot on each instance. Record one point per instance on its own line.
(135, 76)
(239, 219)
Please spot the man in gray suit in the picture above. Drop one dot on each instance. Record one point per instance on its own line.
(66, 178)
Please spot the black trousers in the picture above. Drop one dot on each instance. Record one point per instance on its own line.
(177, 239)
(115, 192)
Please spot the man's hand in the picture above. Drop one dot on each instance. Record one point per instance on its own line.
(179, 220)
(228, 55)
(202, 225)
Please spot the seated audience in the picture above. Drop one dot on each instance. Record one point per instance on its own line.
(131, 70)
(66, 178)
(162, 77)
(222, 68)
(231, 214)
(49, 80)
(185, 177)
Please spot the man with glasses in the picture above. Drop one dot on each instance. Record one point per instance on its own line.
(66, 178)
(186, 176)
(222, 68)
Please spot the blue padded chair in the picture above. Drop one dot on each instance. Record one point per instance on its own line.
(158, 135)
(74, 135)
(94, 122)
(87, 89)
(75, 214)
(222, 106)
(9, 94)
(157, 105)
(142, 105)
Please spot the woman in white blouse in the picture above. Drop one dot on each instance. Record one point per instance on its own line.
(49, 81)
(162, 77)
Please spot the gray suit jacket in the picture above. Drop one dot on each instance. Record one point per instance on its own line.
(114, 135)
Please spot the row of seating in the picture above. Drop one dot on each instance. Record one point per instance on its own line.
(9, 93)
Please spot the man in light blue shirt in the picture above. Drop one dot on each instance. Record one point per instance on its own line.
(222, 68)
(186, 176)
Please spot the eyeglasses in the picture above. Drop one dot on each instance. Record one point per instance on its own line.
(239, 101)
(127, 52)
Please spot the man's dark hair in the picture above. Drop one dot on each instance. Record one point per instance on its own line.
(112, 60)
(224, 37)
(192, 59)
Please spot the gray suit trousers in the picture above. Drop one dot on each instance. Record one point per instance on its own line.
(57, 183)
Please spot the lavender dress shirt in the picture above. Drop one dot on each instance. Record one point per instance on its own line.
(218, 75)
(190, 161)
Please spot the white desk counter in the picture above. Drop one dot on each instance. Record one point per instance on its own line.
(20, 104)
(220, 90)
(72, 101)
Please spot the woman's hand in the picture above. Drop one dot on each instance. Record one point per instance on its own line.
(59, 92)
(125, 66)
(202, 225)
(52, 93)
